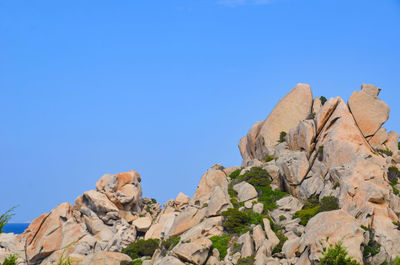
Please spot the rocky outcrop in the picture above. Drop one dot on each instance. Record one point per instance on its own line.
(335, 150)
(289, 111)
(368, 111)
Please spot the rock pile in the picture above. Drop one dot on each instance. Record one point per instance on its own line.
(314, 174)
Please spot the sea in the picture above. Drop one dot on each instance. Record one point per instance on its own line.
(16, 228)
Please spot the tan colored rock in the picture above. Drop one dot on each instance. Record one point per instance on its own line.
(108, 258)
(335, 226)
(122, 189)
(169, 260)
(258, 237)
(230, 170)
(369, 112)
(182, 198)
(209, 227)
(392, 141)
(245, 191)
(162, 227)
(142, 224)
(195, 252)
(101, 205)
(51, 232)
(291, 247)
(324, 114)
(371, 90)
(258, 208)
(380, 137)
(317, 105)
(272, 239)
(289, 111)
(294, 167)
(301, 138)
(189, 218)
(215, 176)
(247, 245)
(219, 202)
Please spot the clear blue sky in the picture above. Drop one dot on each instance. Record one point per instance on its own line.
(167, 87)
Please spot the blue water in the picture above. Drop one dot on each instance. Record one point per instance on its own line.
(15, 228)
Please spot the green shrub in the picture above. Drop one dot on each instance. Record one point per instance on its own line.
(10, 260)
(329, 203)
(270, 158)
(235, 221)
(238, 222)
(312, 207)
(141, 248)
(336, 255)
(169, 244)
(236, 248)
(282, 239)
(396, 261)
(235, 174)
(323, 100)
(282, 218)
(257, 177)
(5, 218)
(282, 137)
(306, 214)
(221, 243)
(373, 247)
(246, 261)
(137, 262)
(393, 175)
(385, 151)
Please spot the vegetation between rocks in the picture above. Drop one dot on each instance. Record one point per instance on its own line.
(238, 222)
(221, 243)
(313, 206)
(10, 260)
(336, 255)
(393, 176)
(323, 100)
(246, 261)
(282, 137)
(141, 248)
(385, 151)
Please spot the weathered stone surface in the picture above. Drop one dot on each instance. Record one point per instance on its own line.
(317, 105)
(219, 202)
(258, 208)
(245, 191)
(301, 138)
(108, 258)
(169, 260)
(392, 141)
(294, 167)
(209, 227)
(336, 226)
(291, 247)
(380, 137)
(371, 90)
(258, 237)
(195, 252)
(182, 198)
(368, 111)
(247, 245)
(289, 111)
(186, 220)
(101, 205)
(122, 189)
(215, 176)
(51, 232)
(142, 224)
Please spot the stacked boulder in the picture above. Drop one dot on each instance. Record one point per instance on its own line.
(305, 151)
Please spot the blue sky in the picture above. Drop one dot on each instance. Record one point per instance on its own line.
(167, 88)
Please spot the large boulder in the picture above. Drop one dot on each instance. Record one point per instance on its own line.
(368, 111)
(122, 189)
(289, 111)
(195, 252)
(329, 228)
(108, 258)
(52, 232)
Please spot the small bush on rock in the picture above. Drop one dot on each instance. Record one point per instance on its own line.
(337, 255)
(282, 137)
(235, 174)
(323, 100)
(312, 207)
(238, 222)
(270, 158)
(386, 151)
(329, 203)
(10, 260)
(396, 261)
(141, 248)
(169, 244)
(282, 239)
(246, 261)
(221, 243)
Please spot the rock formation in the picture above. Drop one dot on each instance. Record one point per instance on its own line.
(332, 178)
